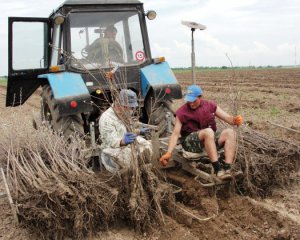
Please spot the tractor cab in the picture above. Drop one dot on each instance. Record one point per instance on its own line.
(79, 36)
(114, 38)
(70, 54)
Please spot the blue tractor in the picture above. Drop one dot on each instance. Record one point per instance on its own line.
(70, 55)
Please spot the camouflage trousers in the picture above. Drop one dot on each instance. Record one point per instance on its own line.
(191, 142)
(114, 159)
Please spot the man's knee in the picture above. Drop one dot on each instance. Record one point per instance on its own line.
(229, 133)
(206, 133)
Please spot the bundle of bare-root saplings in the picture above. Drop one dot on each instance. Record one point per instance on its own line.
(56, 195)
(265, 161)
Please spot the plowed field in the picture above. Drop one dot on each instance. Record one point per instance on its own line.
(266, 98)
(269, 101)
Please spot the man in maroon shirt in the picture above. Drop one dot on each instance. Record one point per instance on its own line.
(195, 124)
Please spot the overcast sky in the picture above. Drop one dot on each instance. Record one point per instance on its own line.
(250, 32)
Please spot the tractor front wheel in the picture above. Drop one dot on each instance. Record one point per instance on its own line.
(66, 125)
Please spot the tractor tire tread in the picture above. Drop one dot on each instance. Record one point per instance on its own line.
(67, 125)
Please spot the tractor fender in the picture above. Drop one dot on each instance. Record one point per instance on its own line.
(68, 87)
(160, 78)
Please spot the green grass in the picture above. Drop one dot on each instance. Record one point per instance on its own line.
(3, 81)
(262, 115)
(283, 96)
(274, 111)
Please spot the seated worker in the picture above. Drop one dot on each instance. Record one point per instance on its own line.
(116, 140)
(106, 49)
(195, 123)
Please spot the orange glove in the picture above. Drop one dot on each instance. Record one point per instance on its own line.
(165, 159)
(238, 120)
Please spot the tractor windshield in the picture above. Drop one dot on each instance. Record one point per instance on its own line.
(105, 39)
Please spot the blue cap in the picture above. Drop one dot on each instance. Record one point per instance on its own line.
(192, 92)
(128, 98)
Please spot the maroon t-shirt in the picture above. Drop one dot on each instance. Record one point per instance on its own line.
(196, 119)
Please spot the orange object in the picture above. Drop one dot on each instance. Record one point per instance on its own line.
(165, 159)
(159, 60)
(54, 69)
(57, 68)
(238, 120)
(164, 163)
(109, 75)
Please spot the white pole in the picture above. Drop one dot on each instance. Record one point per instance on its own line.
(193, 26)
(295, 56)
(193, 58)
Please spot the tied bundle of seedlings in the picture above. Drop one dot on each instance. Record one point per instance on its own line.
(265, 161)
(146, 196)
(55, 194)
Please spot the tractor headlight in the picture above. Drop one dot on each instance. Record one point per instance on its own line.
(59, 19)
(151, 14)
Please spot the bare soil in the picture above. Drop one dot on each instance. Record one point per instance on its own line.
(266, 99)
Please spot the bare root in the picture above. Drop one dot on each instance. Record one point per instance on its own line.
(57, 195)
(145, 195)
(265, 161)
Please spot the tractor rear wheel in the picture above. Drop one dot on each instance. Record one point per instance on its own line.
(66, 125)
(159, 115)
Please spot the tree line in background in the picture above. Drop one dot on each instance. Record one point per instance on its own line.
(179, 69)
(228, 67)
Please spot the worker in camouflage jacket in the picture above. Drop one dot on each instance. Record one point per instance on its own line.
(116, 151)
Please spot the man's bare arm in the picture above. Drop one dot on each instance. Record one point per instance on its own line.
(175, 135)
(220, 113)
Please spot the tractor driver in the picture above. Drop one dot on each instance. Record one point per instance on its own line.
(116, 140)
(106, 49)
(195, 122)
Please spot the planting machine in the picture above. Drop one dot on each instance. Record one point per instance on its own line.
(56, 54)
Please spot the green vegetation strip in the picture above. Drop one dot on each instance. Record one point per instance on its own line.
(188, 69)
(3, 81)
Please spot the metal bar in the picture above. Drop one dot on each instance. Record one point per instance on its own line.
(205, 184)
(95, 149)
(92, 132)
(169, 122)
